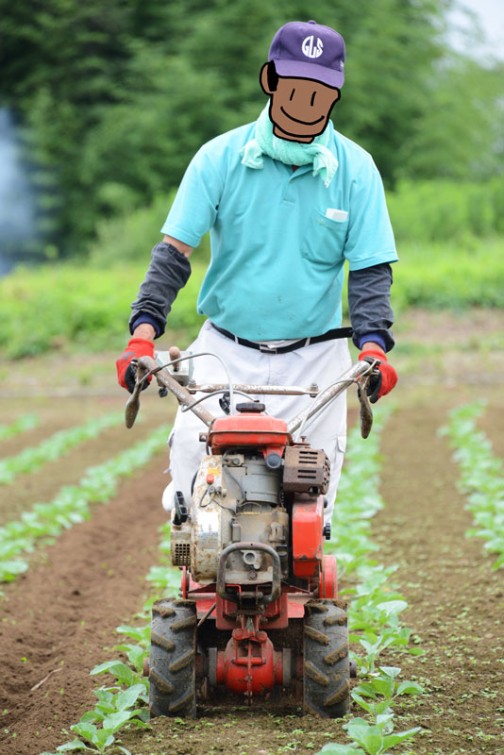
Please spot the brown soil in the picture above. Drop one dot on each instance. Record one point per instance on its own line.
(58, 620)
(456, 603)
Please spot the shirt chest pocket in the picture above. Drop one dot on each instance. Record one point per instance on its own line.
(324, 236)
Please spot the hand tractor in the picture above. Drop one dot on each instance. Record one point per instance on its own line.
(258, 615)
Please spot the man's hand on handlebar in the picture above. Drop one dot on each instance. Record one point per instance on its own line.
(385, 376)
(136, 348)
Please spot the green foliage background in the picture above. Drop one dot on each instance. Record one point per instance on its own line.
(112, 99)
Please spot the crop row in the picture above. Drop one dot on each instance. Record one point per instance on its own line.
(375, 607)
(71, 505)
(482, 477)
(125, 702)
(32, 458)
(20, 425)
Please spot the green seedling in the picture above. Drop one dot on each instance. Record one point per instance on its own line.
(164, 579)
(482, 477)
(71, 505)
(123, 674)
(336, 749)
(377, 738)
(116, 706)
(135, 653)
(376, 694)
(33, 458)
(375, 605)
(20, 425)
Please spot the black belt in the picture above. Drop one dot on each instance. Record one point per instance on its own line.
(329, 336)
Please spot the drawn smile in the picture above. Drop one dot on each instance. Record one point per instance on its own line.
(305, 123)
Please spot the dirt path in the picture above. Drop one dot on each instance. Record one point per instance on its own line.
(456, 603)
(59, 620)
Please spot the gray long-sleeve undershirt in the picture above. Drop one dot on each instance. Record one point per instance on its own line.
(168, 272)
(369, 304)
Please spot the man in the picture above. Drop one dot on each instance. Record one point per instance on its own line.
(287, 201)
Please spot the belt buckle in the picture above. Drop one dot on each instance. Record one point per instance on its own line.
(265, 349)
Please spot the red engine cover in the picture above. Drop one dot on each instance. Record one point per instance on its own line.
(248, 430)
(307, 538)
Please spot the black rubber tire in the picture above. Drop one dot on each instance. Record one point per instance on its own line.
(326, 666)
(172, 669)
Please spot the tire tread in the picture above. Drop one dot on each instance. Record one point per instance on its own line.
(326, 673)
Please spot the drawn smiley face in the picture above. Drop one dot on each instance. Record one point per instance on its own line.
(299, 108)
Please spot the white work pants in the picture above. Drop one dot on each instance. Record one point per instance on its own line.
(319, 363)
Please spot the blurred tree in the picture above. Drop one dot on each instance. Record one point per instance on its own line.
(145, 143)
(61, 65)
(393, 47)
(460, 134)
(116, 97)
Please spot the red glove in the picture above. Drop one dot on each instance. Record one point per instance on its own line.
(386, 379)
(137, 347)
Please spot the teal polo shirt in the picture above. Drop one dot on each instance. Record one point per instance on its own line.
(279, 238)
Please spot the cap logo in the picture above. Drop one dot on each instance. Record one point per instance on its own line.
(312, 47)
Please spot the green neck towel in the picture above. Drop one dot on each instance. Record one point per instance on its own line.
(264, 142)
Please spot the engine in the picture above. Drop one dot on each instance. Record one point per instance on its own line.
(244, 492)
(235, 498)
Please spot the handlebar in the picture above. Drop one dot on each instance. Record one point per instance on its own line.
(359, 374)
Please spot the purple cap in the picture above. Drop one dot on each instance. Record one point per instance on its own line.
(307, 50)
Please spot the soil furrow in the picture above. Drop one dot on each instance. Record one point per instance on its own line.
(456, 601)
(59, 620)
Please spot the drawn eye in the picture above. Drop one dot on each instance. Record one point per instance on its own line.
(312, 101)
(292, 94)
